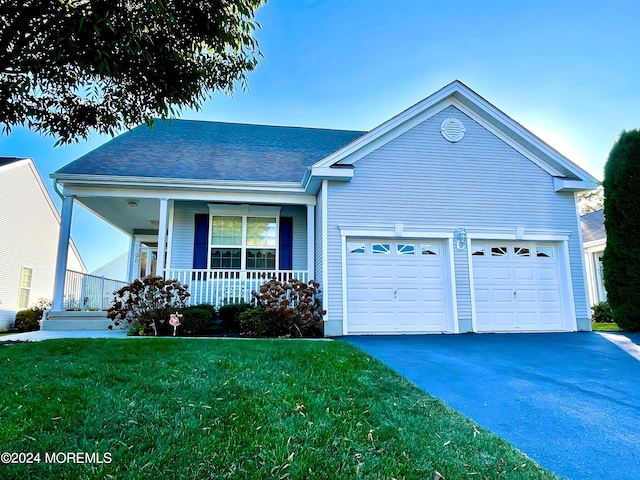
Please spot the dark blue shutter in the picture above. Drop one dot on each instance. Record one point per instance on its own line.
(201, 241)
(286, 243)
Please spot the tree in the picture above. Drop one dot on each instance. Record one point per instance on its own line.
(69, 66)
(621, 260)
(591, 201)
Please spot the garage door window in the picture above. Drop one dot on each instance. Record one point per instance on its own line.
(498, 251)
(430, 250)
(356, 248)
(381, 249)
(406, 249)
(522, 251)
(477, 251)
(544, 252)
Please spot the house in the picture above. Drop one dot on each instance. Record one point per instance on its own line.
(116, 268)
(29, 225)
(595, 240)
(449, 217)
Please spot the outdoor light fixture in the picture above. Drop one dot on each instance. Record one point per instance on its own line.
(461, 238)
(132, 203)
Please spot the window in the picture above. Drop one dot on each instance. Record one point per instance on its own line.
(356, 247)
(430, 249)
(244, 241)
(225, 258)
(380, 249)
(477, 250)
(406, 249)
(226, 231)
(522, 251)
(498, 251)
(544, 252)
(25, 287)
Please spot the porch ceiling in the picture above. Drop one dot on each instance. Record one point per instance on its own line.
(117, 212)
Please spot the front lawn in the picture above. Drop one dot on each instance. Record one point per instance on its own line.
(605, 327)
(195, 408)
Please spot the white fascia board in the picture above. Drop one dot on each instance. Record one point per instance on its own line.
(291, 198)
(567, 185)
(595, 245)
(177, 184)
(461, 96)
(314, 176)
(353, 150)
(504, 122)
(381, 135)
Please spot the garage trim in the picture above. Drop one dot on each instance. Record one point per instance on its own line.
(396, 231)
(561, 238)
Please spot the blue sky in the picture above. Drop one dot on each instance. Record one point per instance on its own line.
(566, 70)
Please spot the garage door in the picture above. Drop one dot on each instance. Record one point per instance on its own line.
(516, 286)
(397, 286)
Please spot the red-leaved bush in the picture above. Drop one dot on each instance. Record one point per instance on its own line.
(148, 302)
(290, 309)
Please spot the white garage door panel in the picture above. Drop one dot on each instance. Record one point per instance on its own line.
(403, 290)
(516, 286)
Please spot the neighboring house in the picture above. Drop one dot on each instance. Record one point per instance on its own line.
(595, 239)
(116, 269)
(449, 217)
(29, 226)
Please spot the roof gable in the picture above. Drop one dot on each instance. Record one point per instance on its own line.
(199, 150)
(570, 176)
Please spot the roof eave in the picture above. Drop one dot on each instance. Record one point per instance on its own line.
(152, 183)
(573, 185)
(313, 179)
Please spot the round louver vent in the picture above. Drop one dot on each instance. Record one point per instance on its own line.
(452, 129)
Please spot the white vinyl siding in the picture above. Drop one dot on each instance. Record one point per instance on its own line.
(28, 237)
(184, 231)
(421, 180)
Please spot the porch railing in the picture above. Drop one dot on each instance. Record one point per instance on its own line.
(84, 292)
(221, 287)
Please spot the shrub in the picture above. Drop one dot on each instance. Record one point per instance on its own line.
(621, 259)
(602, 313)
(28, 320)
(292, 309)
(137, 329)
(229, 315)
(253, 322)
(196, 319)
(148, 301)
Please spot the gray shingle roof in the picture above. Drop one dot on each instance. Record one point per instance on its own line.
(593, 226)
(187, 149)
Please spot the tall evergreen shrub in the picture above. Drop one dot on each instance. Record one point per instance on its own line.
(621, 260)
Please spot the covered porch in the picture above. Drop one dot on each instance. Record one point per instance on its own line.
(221, 245)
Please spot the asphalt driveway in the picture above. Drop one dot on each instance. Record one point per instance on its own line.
(570, 401)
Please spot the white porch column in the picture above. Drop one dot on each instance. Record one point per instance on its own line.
(63, 253)
(162, 237)
(311, 241)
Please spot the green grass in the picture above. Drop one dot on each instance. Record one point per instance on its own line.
(605, 327)
(194, 409)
